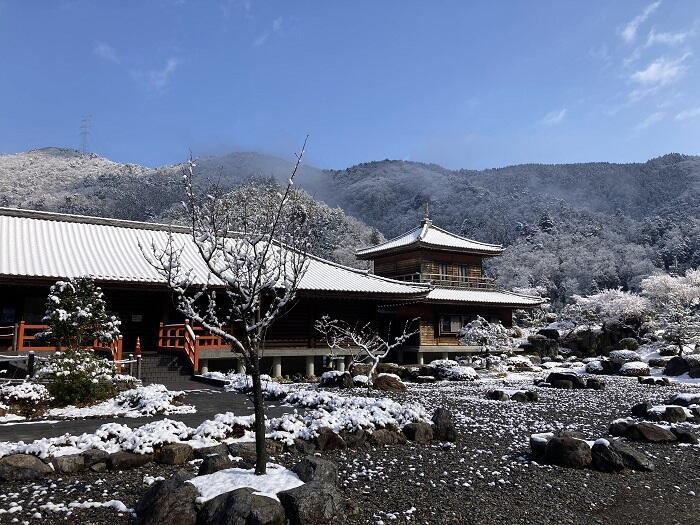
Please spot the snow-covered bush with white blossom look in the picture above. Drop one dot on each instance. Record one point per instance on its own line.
(491, 337)
(76, 314)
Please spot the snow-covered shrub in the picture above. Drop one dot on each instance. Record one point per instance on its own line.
(610, 305)
(243, 384)
(150, 400)
(25, 399)
(624, 356)
(453, 371)
(491, 337)
(78, 377)
(76, 314)
(634, 368)
(223, 426)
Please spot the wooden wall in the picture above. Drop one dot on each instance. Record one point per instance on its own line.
(426, 261)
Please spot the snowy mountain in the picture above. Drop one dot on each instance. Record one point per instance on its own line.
(569, 228)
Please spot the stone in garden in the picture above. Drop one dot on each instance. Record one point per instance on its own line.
(576, 380)
(520, 397)
(634, 369)
(619, 427)
(314, 502)
(168, 502)
(632, 458)
(336, 379)
(649, 432)
(549, 333)
(127, 460)
(684, 400)
(594, 383)
(538, 443)
(215, 463)
(419, 432)
(674, 414)
(443, 425)
(563, 384)
(532, 395)
(568, 452)
(389, 383)
(221, 449)
(306, 447)
(246, 450)
(641, 410)
(497, 395)
(183, 475)
(312, 468)
(173, 454)
(241, 507)
(605, 458)
(676, 366)
(354, 438)
(669, 350)
(425, 379)
(684, 435)
(21, 467)
(68, 464)
(95, 459)
(694, 372)
(392, 368)
(329, 440)
(383, 436)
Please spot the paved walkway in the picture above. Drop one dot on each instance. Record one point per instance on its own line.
(208, 401)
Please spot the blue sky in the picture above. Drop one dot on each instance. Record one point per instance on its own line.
(462, 84)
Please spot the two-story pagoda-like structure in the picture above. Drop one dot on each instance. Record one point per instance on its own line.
(453, 266)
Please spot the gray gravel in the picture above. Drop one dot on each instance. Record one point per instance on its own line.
(486, 477)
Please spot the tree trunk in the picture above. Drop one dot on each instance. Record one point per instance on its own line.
(259, 427)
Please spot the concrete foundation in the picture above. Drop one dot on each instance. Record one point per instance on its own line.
(276, 366)
(310, 372)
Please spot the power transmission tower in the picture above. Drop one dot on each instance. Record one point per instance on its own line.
(85, 133)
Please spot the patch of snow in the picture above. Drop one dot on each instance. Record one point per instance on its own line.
(275, 480)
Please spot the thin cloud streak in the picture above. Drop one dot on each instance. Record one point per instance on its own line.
(629, 32)
(554, 117)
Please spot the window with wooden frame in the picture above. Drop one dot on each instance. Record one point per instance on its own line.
(452, 324)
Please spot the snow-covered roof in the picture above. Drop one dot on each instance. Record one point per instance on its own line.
(495, 297)
(55, 246)
(429, 235)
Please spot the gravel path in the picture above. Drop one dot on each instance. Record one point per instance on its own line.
(486, 477)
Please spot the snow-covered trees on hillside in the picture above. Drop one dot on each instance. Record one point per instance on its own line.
(76, 313)
(610, 306)
(256, 246)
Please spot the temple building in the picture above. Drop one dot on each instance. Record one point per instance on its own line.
(427, 273)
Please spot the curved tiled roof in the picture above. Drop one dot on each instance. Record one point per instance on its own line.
(494, 297)
(55, 246)
(431, 236)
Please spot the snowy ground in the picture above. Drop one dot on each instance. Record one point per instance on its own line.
(486, 477)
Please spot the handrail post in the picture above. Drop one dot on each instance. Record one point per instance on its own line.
(131, 365)
(20, 336)
(31, 357)
(14, 339)
(138, 366)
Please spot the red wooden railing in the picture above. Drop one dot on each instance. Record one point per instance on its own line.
(190, 339)
(25, 339)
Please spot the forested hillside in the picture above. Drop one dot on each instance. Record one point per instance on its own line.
(570, 228)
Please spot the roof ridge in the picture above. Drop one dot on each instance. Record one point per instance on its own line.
(389, 240)
(462, 237)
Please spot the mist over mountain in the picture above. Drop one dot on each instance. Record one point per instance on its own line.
(568, 228)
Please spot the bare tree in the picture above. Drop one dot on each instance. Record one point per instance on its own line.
(372, 348)
(255, 248)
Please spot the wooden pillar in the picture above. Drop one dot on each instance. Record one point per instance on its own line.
(277, 366)
(310, 372)
(203, 366)
(340, 364)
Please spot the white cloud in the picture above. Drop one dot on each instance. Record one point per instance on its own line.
(650, 121)
(670, 39)
(629, 32)
(276, 29)
(158, 79)
(687, 114)
(661, 71)
(106, 52)
(554, 117)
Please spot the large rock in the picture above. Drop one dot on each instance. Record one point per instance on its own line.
(241, 507)
(22, 467)
(313, 468)
(443, 425)
(629, 343)
(127, 460)
(538, 443)
(676, 366)
(215, 463)
(549, 333)
(605, 458)
(173, 454)
(568, 452)
(68, 464)
(648, 432)
(594, 383)
(95, 459)
(543, 346)
(674, 414)
(383, 436)
(168, 502)
(200, 453)
(497, 395)
(419, 432)
(632, 458)
(329, 440)
(311, 503)
(576, 380)
(389, 383)
(641, 410)
(354, 438)
(336, 379)
(684, 435)
(246, 450)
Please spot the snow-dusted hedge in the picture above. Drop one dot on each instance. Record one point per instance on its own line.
(78, 377)
(243, 383)
(26, 398)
